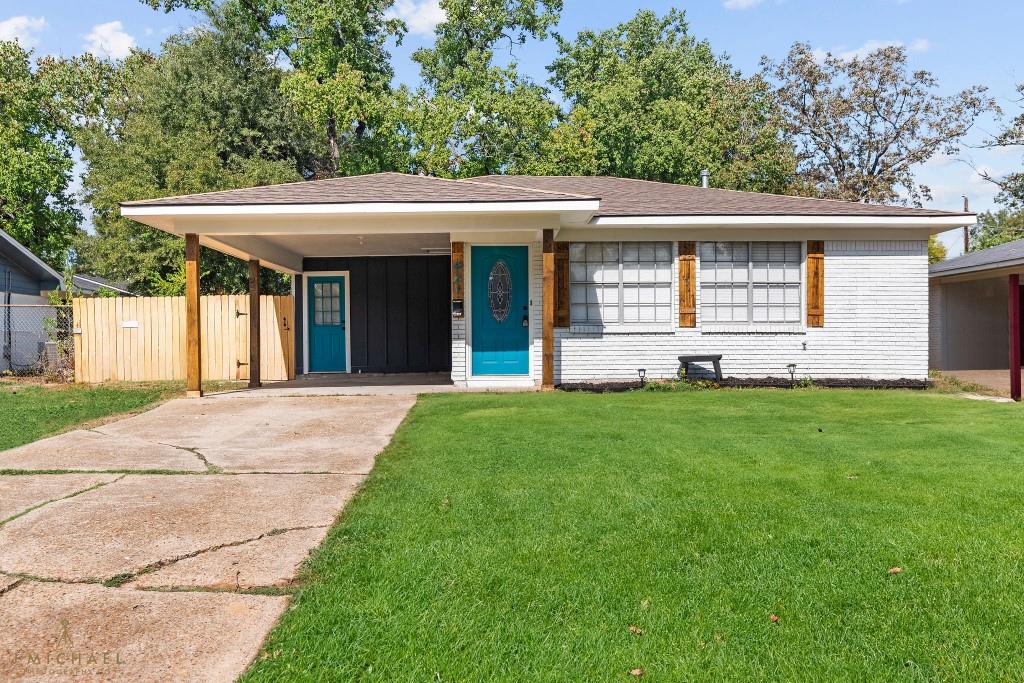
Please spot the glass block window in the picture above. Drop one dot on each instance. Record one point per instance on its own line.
(327, 303)
(620, 282)
(750, 282)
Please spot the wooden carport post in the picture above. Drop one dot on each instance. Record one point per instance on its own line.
(193, 334)
(547, 381)
(254, 324)
(1014, 305)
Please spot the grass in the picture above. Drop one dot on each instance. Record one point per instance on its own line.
(30, 411)
(519, 537)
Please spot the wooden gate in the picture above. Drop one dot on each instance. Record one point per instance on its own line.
(143, 338)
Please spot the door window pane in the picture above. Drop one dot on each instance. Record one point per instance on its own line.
(327, 303)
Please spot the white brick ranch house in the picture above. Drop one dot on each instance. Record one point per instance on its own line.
(521, 280)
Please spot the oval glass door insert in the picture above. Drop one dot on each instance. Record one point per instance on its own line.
(499, 291)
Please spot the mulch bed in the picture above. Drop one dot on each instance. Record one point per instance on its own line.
(761, 383)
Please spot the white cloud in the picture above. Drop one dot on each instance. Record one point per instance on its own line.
(109, 40)
(918, 45)
(740, 4)
(22, 29)
(421, 16)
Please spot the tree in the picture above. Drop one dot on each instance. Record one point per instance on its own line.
(340, 75)
(206, 114)
(861, 125)
(936, 250)
(472, 116)
(655, 103)
(1011, 186)
(36, 205)
(997, 227)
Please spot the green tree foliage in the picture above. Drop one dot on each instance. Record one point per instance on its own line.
(36, 161)
(340, 71)
(472, 115)
(1011, 186)
(862, 125)
(997, 227)
(653, 102)
(936, 250)
(206, 114)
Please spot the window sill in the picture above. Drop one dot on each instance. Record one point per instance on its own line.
(640, 328)
(759, 328)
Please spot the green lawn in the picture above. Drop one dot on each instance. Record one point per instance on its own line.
(518, 537)
(32, 411)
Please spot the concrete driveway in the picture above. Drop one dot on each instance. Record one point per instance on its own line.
(152, 547)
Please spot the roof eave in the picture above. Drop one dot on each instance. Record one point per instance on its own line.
(937, 223)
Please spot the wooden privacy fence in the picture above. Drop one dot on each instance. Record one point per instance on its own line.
(143, 338)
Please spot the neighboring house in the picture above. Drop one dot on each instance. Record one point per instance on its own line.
(520, 280)
(975, 310)
(25, 281)
(24, 277)
(93, 285)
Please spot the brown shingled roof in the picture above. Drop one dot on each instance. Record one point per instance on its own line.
(630, 197)
(372, 188)
(618, 196)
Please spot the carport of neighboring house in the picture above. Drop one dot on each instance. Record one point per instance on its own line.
(382, 270)
(976, 316)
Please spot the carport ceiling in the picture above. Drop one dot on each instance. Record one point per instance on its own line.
(361, 245)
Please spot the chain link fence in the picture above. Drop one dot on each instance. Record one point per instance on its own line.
(37, 340)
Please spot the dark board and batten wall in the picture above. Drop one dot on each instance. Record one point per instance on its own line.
(398, 318)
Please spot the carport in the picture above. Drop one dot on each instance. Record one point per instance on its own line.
(975, 320)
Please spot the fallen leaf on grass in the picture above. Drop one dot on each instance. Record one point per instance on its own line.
(774, 618)
(645, 603)
(636, 630)
(895, 570)
(637, 672)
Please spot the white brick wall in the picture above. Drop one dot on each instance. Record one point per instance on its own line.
(876, 326)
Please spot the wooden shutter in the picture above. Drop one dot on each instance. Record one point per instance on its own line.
(458, 271)
(687, 284)
(561, 284)
(815, 283)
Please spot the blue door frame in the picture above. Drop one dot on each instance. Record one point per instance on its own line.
(499, 291)
(326, 323)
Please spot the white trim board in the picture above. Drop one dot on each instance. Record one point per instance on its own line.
(305, 320)
(361, 208)
(936, 223)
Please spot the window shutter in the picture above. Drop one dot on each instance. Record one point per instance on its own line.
(458, 271)
(561, 284)
(815, 283)
(687, 284)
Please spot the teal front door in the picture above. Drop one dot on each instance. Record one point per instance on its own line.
(500, 298)
(326, 311)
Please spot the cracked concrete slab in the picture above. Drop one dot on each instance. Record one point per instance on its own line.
(305, 434)
(269, 561)
(143, 520)
(7, 582)
(90, 633)
(21, 492)
(94, 450)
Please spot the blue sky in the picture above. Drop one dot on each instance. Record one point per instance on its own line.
(962, 45)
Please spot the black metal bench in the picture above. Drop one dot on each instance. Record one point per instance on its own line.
(684, 364)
